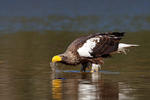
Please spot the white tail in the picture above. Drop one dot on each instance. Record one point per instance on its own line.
(123, 47)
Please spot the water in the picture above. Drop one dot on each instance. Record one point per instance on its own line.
(25, 73)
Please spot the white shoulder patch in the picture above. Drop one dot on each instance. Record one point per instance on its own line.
(87, 47)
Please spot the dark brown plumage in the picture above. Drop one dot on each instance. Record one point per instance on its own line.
(91, 49)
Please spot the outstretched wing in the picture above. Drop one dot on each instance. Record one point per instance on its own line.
(97, 45)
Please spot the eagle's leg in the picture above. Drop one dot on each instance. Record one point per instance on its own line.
(84, 66)
(95, 67)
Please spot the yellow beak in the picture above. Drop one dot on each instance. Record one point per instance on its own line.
(56, 59)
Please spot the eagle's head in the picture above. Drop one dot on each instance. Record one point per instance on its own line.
(56, 59)
(65, 58)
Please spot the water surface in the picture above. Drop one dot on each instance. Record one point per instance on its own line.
(25, 73)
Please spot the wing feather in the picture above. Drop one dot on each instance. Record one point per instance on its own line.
(106, 46)
(108, 43)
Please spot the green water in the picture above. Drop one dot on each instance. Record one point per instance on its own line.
(25, 73)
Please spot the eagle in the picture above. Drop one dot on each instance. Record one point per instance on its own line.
(90, 50)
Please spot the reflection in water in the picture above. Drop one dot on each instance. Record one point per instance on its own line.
(125, 90)
(88, 90)
(57, 89)
(97, 89)
(89, 86)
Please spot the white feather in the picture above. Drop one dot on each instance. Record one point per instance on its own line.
(122, 47)
(87, 47)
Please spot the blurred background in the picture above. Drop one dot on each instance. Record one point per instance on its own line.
(32, 31)
(71, 15)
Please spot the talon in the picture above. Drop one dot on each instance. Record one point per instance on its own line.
(95, 67)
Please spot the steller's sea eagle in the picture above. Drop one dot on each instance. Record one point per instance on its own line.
(91, 49)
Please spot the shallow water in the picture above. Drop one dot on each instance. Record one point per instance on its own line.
(25, 73)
